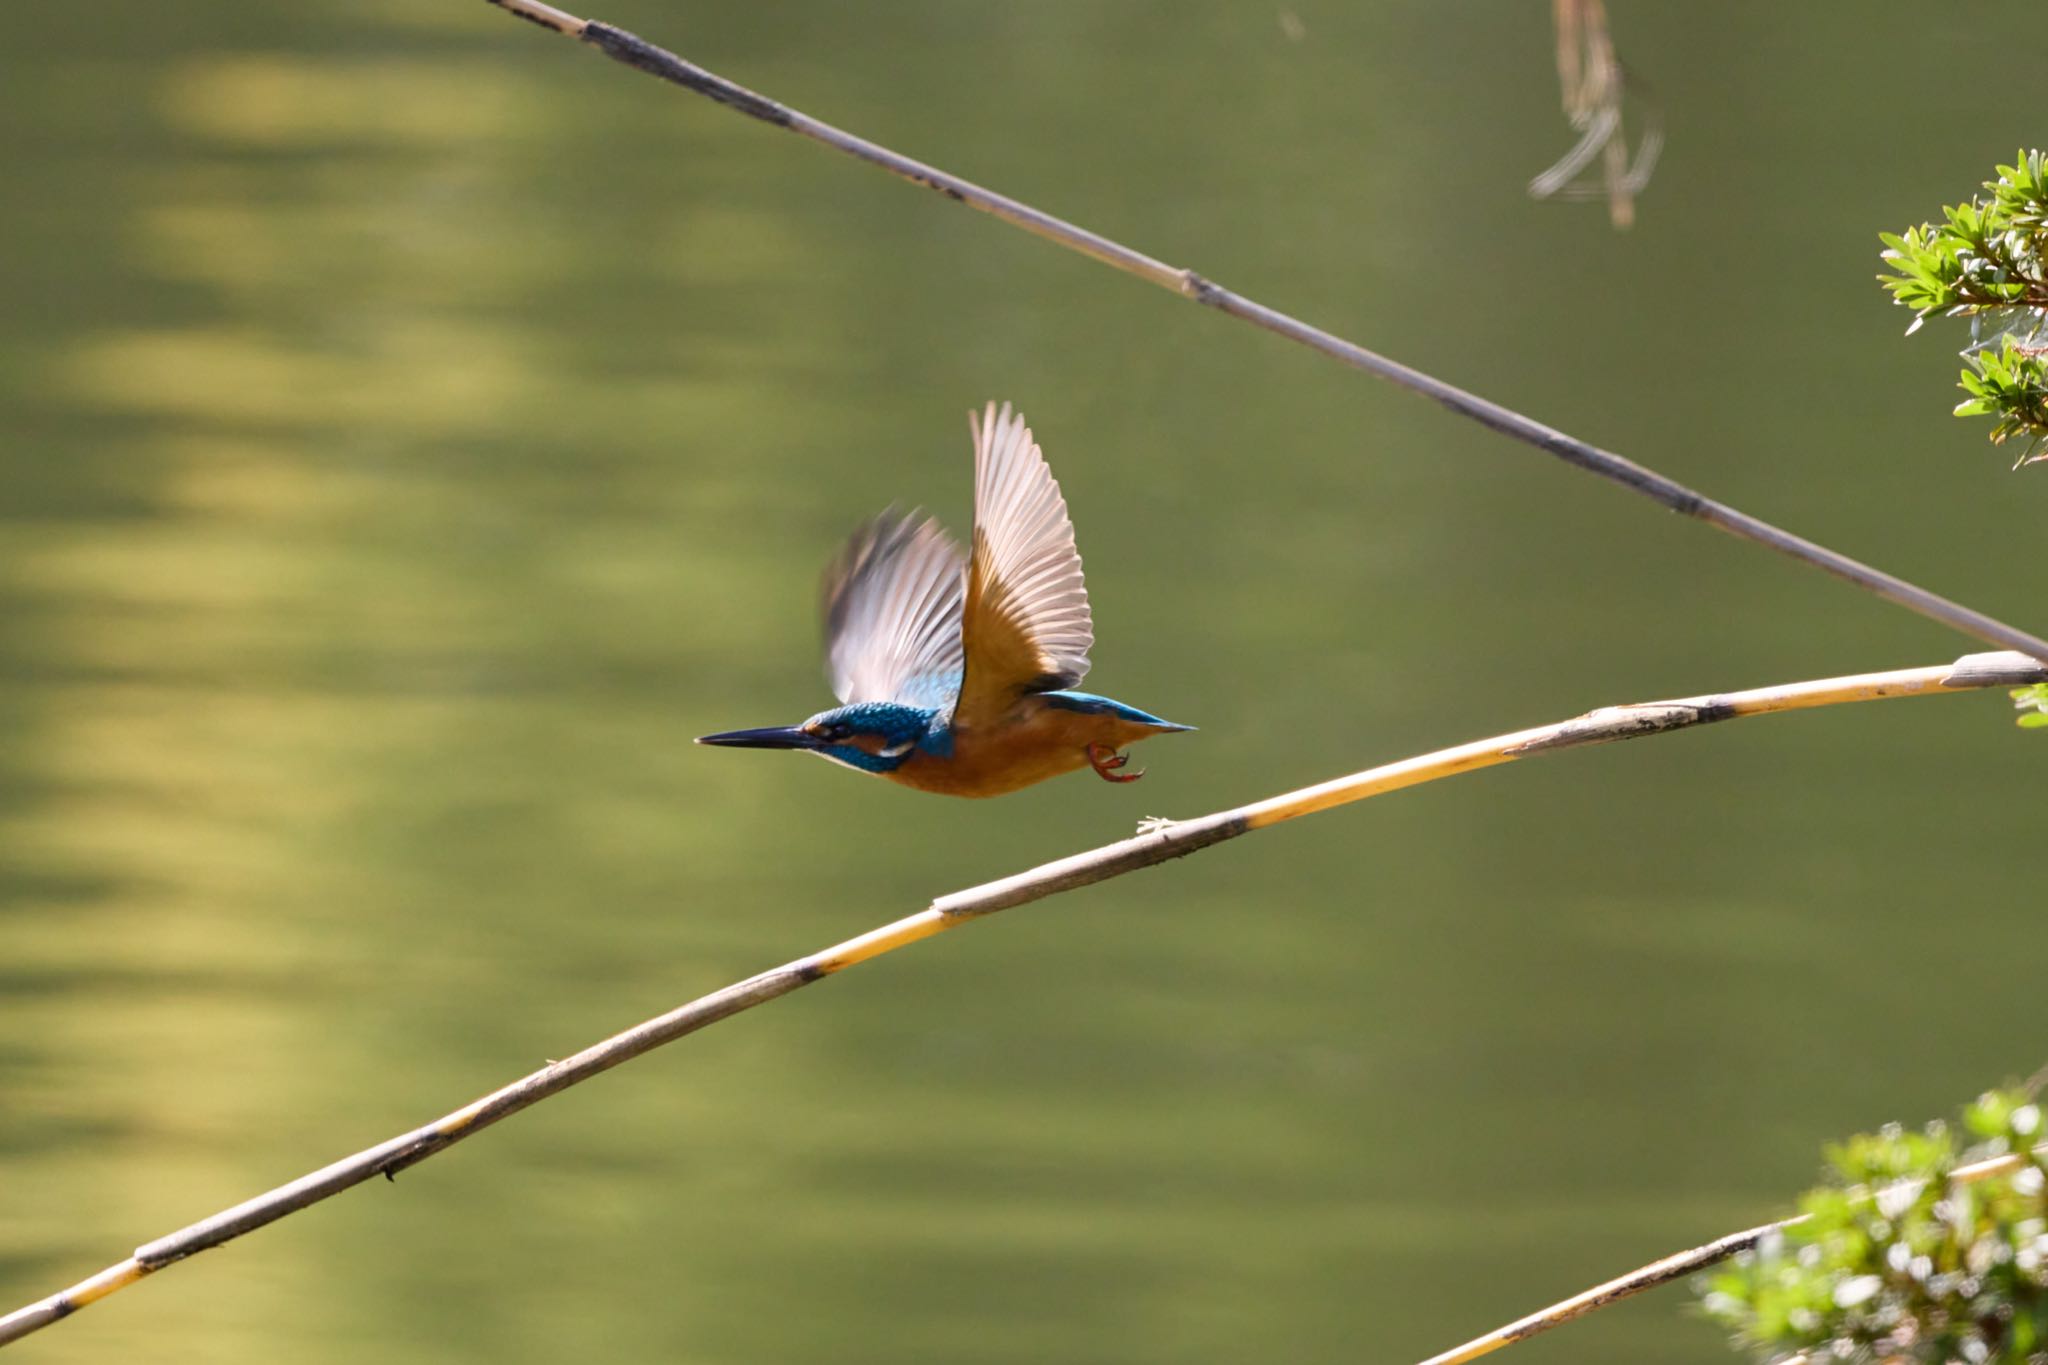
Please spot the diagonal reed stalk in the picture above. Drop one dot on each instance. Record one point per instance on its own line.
(1676, 1266)
(637, 52)
(1158, 841)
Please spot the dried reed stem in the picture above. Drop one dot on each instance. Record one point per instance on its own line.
(637, 52)
(1158, 842)
(1673, 1267)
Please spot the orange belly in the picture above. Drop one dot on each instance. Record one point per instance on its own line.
(1033, 745)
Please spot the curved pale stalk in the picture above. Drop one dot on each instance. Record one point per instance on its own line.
(637, 52)
(1159, 841)
(1676, 1266)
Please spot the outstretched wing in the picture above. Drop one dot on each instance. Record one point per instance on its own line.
(1025, 622)
(892, 613)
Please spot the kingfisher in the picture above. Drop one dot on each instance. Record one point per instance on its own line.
(957, 670)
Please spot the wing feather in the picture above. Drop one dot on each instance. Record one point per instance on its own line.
(892, 608)
(1026, 625)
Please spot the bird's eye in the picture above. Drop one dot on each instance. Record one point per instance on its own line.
(836, 731)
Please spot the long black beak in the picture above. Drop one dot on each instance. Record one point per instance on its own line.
(773, 737)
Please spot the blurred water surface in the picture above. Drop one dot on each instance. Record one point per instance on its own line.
(417, 431)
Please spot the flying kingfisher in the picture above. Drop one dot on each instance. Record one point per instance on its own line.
(956, 670)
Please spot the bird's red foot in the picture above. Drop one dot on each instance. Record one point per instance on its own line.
(1106, 761)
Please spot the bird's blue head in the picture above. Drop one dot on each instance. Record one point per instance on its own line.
(871, 736)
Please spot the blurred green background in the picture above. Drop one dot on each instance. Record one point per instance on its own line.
(417, 430)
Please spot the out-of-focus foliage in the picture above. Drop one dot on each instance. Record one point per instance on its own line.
(2033, 705)
(1605, 107)
(1895, 1261)
(1988, 261)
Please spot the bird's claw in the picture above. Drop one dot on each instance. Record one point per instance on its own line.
(1106, 761)
(1156, 824)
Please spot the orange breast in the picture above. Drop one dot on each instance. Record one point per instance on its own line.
(1033, 743)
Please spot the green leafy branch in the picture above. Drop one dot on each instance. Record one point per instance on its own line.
(1988, 260)
(1895, 1262)
(2033, 703)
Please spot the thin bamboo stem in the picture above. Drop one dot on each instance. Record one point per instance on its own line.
(1673, 1267)
(1158, 841)
(637, 52)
